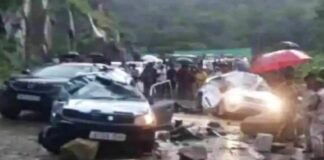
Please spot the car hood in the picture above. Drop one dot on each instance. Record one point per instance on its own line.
(43, 80)
(108, 106)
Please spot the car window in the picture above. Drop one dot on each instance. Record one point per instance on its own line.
(110, 91)
(61, 71)
(77, 82)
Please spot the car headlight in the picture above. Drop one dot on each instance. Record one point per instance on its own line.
(57, 108)
(234, 96)
(147, 119)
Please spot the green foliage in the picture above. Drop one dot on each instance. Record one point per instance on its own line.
(10, 4)
(85, 8)
(216, 24)
(10, 58)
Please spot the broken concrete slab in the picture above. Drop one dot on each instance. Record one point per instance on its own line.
(263, 142)
(163, 135)
(193, 153)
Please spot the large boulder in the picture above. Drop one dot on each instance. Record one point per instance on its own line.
(262, 123)
(79, 149)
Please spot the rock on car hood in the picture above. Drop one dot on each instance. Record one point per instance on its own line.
(108, 106)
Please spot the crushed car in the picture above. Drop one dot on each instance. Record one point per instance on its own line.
(237, 95)
(101, 109)
(37, 89)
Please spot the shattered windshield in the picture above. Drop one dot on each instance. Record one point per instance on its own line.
(109, 91)
(61, 71)
(242, 80)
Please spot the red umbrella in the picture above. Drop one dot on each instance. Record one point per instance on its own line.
(278, 60)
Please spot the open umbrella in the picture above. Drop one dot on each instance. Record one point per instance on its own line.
(150, 58)
(184, 60)
(278, 60)
(289, 45)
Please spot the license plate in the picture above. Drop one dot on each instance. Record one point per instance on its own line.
(119, 137)
(27, 97)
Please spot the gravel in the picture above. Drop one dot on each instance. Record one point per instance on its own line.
(19, 141)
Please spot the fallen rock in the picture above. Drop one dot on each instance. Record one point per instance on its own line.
(193, 153)
(184, 133)
(79, 149)
(163, 135)
(263, 142)
(214, 125)
(166, 151)
(178, 123)
(262, 123)
(216, 132)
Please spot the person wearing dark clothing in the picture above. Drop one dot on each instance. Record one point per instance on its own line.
(134, 72)
(185, 80)
(172, 76)
(108, 61)
(149, 77)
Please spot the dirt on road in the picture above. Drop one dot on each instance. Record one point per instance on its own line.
(19, 141)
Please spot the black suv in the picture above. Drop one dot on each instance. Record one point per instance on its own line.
(36, 90)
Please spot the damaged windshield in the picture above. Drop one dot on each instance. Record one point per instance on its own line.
(109, 91)
(61, 71)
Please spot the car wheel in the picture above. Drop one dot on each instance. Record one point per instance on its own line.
(7, 111)
(51, 139)
(12, 114)
(148, 146)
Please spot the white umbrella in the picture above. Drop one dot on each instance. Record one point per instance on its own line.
(150, 58)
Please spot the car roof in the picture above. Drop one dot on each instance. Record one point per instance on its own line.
(82, 64)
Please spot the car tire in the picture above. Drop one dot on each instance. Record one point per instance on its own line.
(51, 139)
(7, 111)
(147, 146)
(12, 114)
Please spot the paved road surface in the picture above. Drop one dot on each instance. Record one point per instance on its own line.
(19, 142)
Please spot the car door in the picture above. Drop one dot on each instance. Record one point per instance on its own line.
(162, 102)
(209, 97)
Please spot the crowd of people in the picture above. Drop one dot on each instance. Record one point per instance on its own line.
(185, 81)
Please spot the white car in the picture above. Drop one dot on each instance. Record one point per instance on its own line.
(111, 113)
(237, 95)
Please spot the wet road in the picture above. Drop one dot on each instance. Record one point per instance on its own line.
(19, 141)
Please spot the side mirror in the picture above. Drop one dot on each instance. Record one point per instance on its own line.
(26, 71)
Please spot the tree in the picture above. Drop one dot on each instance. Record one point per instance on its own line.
(216, 24)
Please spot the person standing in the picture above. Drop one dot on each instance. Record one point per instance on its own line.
(310, 103)
(287, 90)
(200, 78)
(149, 77)
(185, 80)
(134, 72)
(172, 76)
